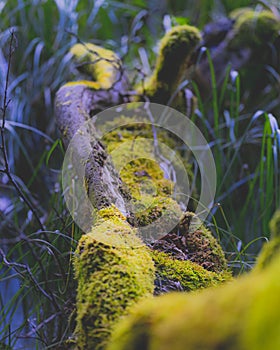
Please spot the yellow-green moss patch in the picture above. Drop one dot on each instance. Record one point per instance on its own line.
(243, 314)
(183, 275)
(114, 271)
(254, 29)
(91, 84)
(271, 249)
(148, 210)
(100, 64)
(131, 144)
(175, 51)
(274, 225)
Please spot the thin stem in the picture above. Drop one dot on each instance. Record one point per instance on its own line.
(3, 148)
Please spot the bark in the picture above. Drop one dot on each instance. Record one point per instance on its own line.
(74, 107)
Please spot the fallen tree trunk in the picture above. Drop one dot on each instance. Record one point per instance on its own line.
(114, 268)
(75, 104)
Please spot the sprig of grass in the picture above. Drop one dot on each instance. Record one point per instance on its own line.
(246, 151)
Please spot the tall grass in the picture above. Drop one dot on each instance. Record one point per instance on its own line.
(246, 149)
(35, 265)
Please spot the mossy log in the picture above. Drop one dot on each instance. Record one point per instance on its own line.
(114, 271)
(109, 282)
(114, 268)
(171, 69)
(243, 314)
(74, 106)
(248, 41)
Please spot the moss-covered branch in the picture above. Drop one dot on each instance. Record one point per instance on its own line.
(114, 268)
(247, 42)
(243, 314)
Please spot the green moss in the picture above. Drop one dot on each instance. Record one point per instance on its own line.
(149, 209)
(113, 268)
(200, 244)
(275, 225)
(91, 84)
(132, 147)
(114, 271)
(144, 175)
(254, 29)
(270, 249)
(243, 314)
(268, 253)
(111, 213)
(101, 65)
(184, 275)
(175, 51)
(127, 127)
(240, 11)
(188, 258)
(134, 158)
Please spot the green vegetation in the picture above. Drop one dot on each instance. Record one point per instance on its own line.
(188, 275)
(104, 70)
(270, 250)
(113, 262)
(254, 29)
(242, 314)
(240, 122)
(174, 56)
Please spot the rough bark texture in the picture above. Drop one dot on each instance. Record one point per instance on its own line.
(74, 106)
